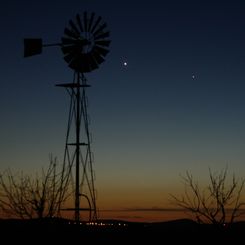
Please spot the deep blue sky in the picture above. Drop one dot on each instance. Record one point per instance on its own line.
(178, 105)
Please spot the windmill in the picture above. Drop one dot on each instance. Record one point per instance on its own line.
(84, 45)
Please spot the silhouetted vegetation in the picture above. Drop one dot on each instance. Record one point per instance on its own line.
(218, 203)
(37, 200)
(24, 196)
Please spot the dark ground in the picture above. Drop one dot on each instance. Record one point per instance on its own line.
(172, 232)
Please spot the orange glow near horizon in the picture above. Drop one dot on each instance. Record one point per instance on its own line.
(143, 215)
(147, 215)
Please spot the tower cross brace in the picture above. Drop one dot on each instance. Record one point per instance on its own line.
(78, 154)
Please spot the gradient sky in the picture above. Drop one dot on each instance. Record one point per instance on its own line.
(178, 105)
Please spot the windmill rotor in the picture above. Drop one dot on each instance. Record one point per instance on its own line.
(85, 42)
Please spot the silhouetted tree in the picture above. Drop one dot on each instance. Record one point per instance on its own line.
(218, 203)
(25, 196)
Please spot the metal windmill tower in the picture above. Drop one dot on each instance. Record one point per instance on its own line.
(84, 45)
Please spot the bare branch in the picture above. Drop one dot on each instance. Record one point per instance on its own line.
(32, 197)
(212, 204)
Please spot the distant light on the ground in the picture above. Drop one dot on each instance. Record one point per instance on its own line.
(99, 223)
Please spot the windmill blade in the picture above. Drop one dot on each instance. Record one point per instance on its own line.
(92, 62)
(84, 63)
(69, 33)
(79, 23)
(85, 67)
(96, 24)
(78, 42)
(68, 41)
(85, 20)
(69, 57)
(74, 28)
(71, 54)
(91, 21)
(98, 31)
(73, 63)
(69, 49)
(80, 63)
(99, 59)
(105, 43)
(100, 50)
(75, 59)
(102, 35)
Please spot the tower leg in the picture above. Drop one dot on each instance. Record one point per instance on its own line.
(78, 159)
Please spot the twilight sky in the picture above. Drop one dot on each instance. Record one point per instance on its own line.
(178, 105)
